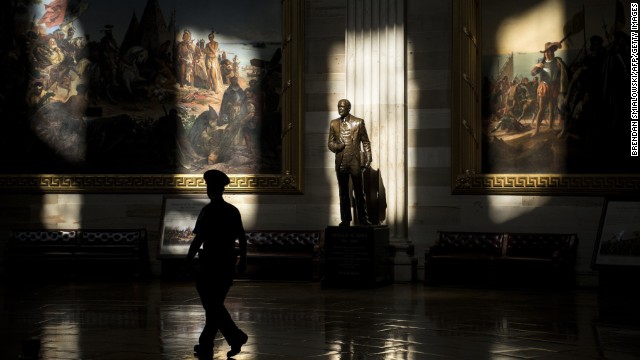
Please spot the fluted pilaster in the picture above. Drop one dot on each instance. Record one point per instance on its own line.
(375, 43)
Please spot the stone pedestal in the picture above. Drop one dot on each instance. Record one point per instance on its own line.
(405, 264)
(357, 256)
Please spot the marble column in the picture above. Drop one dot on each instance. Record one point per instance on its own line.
(375, 71)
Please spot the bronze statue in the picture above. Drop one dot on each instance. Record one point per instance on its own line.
(347, 136)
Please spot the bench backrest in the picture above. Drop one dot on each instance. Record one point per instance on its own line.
(541, 245)
(107, 237)
(47, 240)
(273, 239)
(532, 245)
(68, 240)
(453, 242)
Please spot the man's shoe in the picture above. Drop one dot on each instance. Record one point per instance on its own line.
(202, 353)
(365, 222)
(237, 347)
(345, 224)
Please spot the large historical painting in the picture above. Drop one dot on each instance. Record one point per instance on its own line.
(548, 104)
(151, 92)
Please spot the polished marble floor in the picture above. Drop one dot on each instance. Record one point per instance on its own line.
(159, 319)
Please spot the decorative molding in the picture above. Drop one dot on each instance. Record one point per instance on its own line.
(545, 184)
(182, 183)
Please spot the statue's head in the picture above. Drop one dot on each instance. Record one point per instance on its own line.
(344, 106)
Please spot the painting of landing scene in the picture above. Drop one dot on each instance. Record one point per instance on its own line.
(618, 240)
(141, 86)
(555, 93)
(178, 219)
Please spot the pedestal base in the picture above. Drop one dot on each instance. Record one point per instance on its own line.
(357, 256)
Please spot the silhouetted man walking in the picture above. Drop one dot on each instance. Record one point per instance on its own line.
(217, 228)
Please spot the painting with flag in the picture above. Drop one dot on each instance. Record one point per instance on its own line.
(54, 13)
(564, 104)
(575, 25)
(61, 13)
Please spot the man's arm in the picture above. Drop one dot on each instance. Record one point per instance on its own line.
(242, 241)
(194, 247)
(366, 145)
(334, 143)
(537, 67)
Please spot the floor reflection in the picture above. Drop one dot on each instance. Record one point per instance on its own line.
(162, 320)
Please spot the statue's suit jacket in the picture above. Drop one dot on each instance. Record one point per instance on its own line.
(359, 136)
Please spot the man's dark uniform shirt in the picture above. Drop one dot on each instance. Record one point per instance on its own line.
(219, 224)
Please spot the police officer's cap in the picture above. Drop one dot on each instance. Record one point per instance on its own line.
(216, 178)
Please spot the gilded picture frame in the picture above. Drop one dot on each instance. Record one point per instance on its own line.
(284, 175)
(473, 134)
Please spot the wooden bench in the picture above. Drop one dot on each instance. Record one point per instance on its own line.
(492, 258)
(43, 252)
(284, 254)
